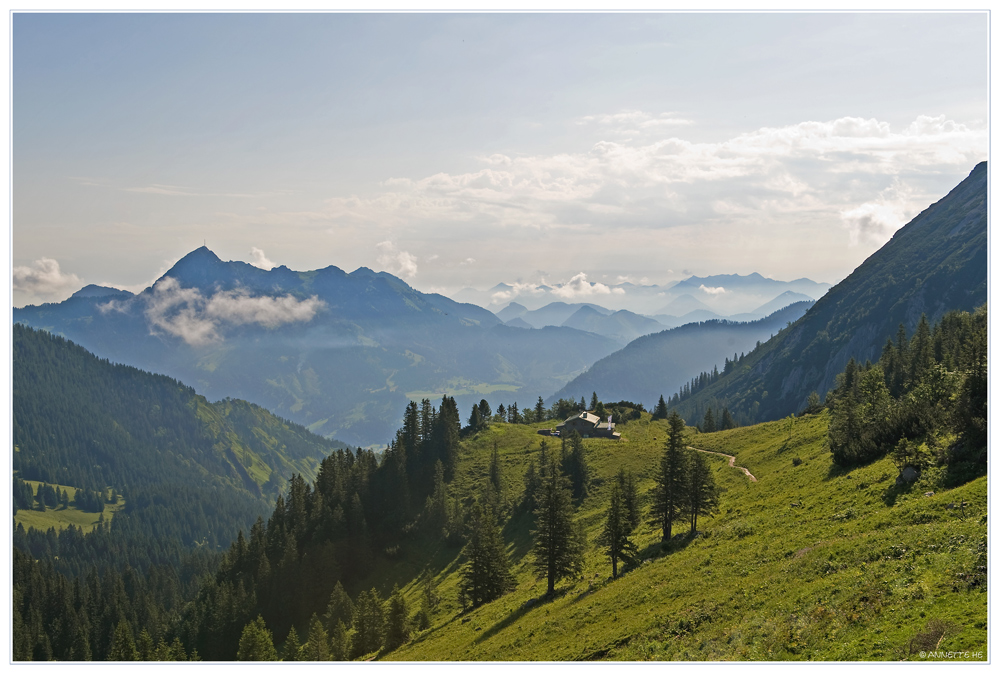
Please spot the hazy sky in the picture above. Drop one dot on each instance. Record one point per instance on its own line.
(464, 150)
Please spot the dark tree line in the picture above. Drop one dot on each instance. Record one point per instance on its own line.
(921, 389)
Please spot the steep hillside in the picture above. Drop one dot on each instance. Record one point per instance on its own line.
(807, 563)
(660, 363)
(188, 469)
(340, 353)
(934, 264)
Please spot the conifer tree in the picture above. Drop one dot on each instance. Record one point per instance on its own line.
(708, 425)
(531, 484)
(475, 420)
(671, 479)
(660, 412)
(293, 647)
(593, 401)
(727, 420)
(486, 576)
(558, 543)
(339, 607)
(540, 409)
(317, 646)
(397, 627)
(703, 495)
(339, 647)
(256, 642)
(614, 538)
(630, 498)
(574, 464)
(369, 624)
(122, 643)
(144, 646)
(485, 412)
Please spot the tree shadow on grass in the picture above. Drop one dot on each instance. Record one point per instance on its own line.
(518, 532)
(836, 471)
(663, 548)
(895, 491)
(519, 612)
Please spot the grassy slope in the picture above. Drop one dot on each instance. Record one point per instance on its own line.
(60, 518)
(853, 572)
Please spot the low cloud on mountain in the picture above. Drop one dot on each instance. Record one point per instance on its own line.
(198, 320)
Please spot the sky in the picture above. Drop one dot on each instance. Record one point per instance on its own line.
(462, 150)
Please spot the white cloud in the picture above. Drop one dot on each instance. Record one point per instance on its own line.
(874, 222)
(186, 313)
(397, 262)
(769, 176)
(259, 259)
(516, 290)
(712, 291)
(44, 279)
(467, 261)
(578, 286)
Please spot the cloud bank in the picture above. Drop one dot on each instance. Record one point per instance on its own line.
(830, 171)
(198, 320)
(578, 287)
(44, 279)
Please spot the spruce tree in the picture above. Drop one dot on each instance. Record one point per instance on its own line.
(339, 646)
(540, 409)
(256, 642)
(708, 425)
(397, 627)
(317, 646)
(574, 464)
(727, 419)
(630, 498)
(703, 495)
(122, 644)
(369, 624)
(660, 412)
(293, 647)
(558, 543)
(593, 401)
(614, 538)
(486, 576)
(671, 479)
(339, 607)
(475, 420)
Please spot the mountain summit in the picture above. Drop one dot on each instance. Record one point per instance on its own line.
(934, 264)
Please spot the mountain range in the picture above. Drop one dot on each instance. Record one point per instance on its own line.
(340, 353)
(721, 294)
(934, 264)
(660, 363)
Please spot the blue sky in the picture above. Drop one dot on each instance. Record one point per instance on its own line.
(464, 150)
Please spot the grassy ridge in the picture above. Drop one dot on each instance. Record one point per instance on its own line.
(810, 562)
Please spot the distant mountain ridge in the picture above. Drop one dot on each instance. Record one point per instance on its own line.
(340, 353)
(721, 294)
(934, 264)
(658, 364)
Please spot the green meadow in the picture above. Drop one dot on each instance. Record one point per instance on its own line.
(810, 562)
(63, 516)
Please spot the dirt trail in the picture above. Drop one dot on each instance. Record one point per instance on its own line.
(732, 462)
